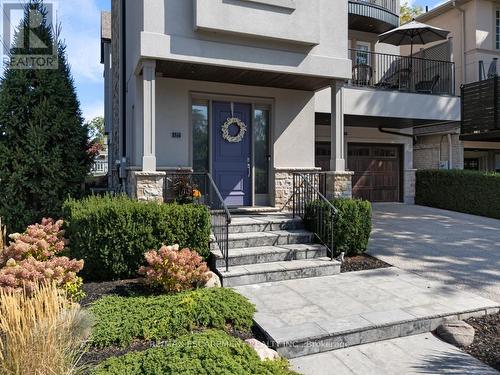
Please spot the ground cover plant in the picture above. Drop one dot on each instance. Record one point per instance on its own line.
(120, 320)
(41, 333)
(112, 234)
(210, 352)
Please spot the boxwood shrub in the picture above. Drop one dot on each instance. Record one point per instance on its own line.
(111, 234)
(120, 320)
(353, 224)
(206, 353)
(471, 192)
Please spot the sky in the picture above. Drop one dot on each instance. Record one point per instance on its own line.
(80, 21)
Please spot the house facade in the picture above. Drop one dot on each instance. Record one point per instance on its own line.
(474, 46)
(253, 91)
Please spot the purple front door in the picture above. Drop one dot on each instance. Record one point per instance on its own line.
(231, 160)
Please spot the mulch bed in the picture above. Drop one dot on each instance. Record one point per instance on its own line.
(122, 288)
(486, 345)
(362, 263)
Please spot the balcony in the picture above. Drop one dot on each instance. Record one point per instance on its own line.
(373, 16)
(481, 110)
(402, 73)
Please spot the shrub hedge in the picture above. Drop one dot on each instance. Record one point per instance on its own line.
(353, 224)
(120, 320)
(471, 192)
(207, 353)
(112, 234)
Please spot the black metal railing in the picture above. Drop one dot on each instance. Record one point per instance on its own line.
(403, 73)
(311, 205)
(187, 187)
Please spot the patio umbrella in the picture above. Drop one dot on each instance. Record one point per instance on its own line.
(413, 33)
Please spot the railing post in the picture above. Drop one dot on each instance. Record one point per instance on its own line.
(332, 233)
(293, 194)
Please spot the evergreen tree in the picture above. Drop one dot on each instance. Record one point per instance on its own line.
(43, 142)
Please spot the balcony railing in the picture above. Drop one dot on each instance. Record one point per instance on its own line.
(402, 73)
(391, 5)
(99, 167)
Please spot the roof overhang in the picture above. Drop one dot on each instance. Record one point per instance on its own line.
(440, 9)
(214, 73)
(374, 121)
(105, 31)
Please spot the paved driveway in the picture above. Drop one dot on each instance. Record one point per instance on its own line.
(455, 248)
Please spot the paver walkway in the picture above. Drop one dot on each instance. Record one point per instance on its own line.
(420, 354)
(455, 248)
(307, 316)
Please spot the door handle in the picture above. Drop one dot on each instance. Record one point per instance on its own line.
(249, 170)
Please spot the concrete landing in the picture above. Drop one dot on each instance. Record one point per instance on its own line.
(308, 316)
(419, 354)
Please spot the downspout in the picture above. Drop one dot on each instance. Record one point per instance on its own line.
(464, 56)
(124, 79)
(382, 130)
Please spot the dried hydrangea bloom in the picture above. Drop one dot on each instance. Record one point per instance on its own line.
(174, 270)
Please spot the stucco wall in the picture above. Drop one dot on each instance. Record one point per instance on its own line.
(169, 32)
(371, 102)
(292, 121)
(479, 36)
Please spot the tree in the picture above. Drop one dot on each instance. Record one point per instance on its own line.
(409, 12)
(96, 129)
(43, 142)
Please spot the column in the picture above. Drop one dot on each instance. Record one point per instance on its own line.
(338, 180)
(148, 184)
(149, 104)
(337, 161)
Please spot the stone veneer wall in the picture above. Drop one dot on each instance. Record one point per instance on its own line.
(283, 185)
(409, 185)
(146, 186)
(339, 184)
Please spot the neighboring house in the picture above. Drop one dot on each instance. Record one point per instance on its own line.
(100, 165)
(474, 46)
(176, 70)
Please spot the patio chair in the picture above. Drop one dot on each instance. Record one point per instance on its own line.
(427, 87)
(362, 75)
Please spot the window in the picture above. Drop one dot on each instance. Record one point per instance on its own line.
(199, 119)
(362, 53)
(497, 29)
(262, 152)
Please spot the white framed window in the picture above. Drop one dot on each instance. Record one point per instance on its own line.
(363, 50)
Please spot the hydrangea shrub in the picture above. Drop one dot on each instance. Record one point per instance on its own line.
(40, 241)
(173, 270)
(28, 274)
(31, 259)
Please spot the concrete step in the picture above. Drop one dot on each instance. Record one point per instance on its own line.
(269, 254)
(264, 223)
(273, 238)
(278, 271)
(315, 315)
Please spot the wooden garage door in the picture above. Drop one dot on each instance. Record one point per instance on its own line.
(377, 172)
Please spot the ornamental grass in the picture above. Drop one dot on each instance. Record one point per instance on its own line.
(42, 334)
